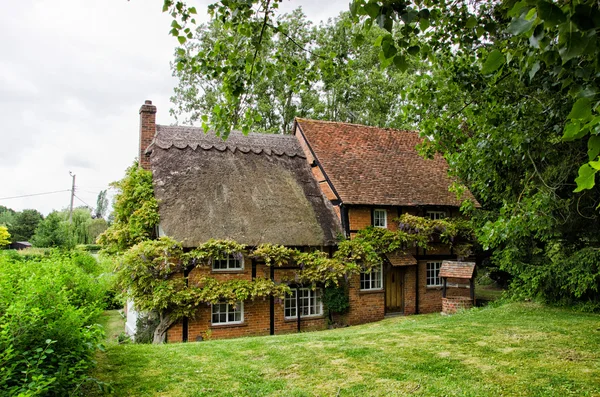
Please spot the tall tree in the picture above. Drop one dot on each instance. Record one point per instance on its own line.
(24, 225)
(53, 232)
(297, 77)
(101, 205)
(508, 94)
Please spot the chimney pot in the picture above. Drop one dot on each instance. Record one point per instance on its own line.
(147, 131)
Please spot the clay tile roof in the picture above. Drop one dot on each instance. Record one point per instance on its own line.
(252, 189)
(454, 269)
(397, 258)
(378, 166)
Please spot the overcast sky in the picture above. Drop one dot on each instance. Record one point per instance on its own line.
(73, 75)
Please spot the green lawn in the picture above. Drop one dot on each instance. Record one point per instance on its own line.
(113, 324)
(511, 350)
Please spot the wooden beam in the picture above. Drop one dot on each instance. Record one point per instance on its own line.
(445, 280)
(298, 307)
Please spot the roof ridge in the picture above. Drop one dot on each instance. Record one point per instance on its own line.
(354, 125)
(182, 137)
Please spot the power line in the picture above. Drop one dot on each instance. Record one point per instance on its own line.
(89, 206)
(34, 194)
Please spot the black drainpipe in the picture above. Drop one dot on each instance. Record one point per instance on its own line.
(298, 307)
(417, 290)
(345, 220)
(272, 306)
(185, 321)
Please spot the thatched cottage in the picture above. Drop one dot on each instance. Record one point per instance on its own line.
(301, 190)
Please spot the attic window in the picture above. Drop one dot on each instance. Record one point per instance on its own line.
(436, 215)
(380, 218)
(230, 262)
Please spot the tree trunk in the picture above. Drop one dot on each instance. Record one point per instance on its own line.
(160, 333)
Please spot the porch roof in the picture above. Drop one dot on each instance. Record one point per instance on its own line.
(457, 269)
(398, 258)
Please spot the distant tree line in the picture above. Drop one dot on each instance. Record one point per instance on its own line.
(55, 230)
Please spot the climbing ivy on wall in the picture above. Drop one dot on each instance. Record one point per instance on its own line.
(153, 271)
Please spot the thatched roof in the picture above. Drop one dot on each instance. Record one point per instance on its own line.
(253, 189)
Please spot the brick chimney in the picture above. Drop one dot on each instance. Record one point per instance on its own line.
(147, 131)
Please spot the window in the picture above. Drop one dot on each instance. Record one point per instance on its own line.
(433, 274)
(372, 280)
(380, 218)
(436, 214)
(231, 262)
(311, 303)
(224, 313)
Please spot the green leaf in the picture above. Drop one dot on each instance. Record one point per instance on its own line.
(413, 50)
(516, 10)
(493, 62)
(378, 41)
(593, 147)
(574, 46)
(520, 25)
(471, 22)
(586, 178)
(192, 10)
(181, 39)
(389, 49)
(582, 109)
(550, 13)
(400, 62)
(372, 9)
(534, 69)
(573, 131)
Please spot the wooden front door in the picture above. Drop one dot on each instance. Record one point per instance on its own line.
(394, 294)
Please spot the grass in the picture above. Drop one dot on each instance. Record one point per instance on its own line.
(113, 324)
(488, 292)
(511, 350)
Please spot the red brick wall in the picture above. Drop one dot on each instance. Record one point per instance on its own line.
(147, 131)
(430, 298)
(452, 304)
(256, 313)
(365, 306)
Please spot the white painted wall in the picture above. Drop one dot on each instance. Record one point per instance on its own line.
(132, 316)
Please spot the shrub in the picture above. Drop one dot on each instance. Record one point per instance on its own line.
(48, 335)
(336, 299)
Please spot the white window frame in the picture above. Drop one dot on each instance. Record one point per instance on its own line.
(229, 309)
(435, 215)
(229, 261)
(373, 280)
(375, 219)
(311, 303)
(432, 274)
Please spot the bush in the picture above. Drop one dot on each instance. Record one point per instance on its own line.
(48, 335)
(89, 247)
(336, 300)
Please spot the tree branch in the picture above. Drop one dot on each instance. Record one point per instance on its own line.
(295, 42)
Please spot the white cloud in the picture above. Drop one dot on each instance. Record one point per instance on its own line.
(72, 77)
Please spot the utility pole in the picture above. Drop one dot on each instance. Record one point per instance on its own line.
(72, 197)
